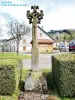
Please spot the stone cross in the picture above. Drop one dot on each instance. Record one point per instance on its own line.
(35, 18)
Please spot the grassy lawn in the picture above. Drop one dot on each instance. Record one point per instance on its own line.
(13, 56)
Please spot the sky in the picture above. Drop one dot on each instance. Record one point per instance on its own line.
(58, 14)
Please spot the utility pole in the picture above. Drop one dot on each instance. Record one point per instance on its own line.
(35, 18)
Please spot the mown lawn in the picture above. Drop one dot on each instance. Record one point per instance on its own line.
(14, 56)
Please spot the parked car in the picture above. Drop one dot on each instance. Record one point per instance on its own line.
(72, 45)
(63, 47)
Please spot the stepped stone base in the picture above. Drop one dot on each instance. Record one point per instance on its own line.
(35, 81)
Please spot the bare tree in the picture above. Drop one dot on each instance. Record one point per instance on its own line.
(17, 31)
(1, 30)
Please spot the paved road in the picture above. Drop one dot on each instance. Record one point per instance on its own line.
(44, 60)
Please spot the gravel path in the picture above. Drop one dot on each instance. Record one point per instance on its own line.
(32, 96)
(36, 96)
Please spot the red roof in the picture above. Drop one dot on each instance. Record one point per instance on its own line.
(44, 41)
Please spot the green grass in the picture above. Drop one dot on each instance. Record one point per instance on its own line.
(24, 73)
(68, 99)
(13, 56)
(13, 97)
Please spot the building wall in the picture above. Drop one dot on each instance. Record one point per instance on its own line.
(56, 44)
(43, 36)
(45, 48)
(26, 46)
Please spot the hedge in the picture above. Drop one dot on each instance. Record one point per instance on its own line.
(49, 78)
(63, 69)
(9, 76)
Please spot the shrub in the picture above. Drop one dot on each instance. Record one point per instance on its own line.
(22, 79)
(63, 69)
(9, 76)
(49, 77)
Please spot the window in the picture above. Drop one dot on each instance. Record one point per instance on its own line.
(14, 42)
(24, 41)
(24, 47)
(40, 34)
(14, 48)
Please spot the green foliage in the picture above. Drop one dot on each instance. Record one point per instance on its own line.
(49, 77)
(63, 34)
(13, 97)
(36, 75)
(68, 98)
(72, 32)
(63, 69)
(8, 62)
(22, 80)
(9, 76)
(63, 37)
(24, 74)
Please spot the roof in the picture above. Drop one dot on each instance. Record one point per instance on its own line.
(45, 32)
(39, 28)
(44, 41)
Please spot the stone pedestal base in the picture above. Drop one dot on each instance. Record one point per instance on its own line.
(36, 81)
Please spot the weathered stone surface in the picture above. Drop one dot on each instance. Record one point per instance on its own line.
(36, 81)
(41, 85)
(44, 97)
(29, 83)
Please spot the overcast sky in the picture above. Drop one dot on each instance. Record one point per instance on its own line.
(58, 14)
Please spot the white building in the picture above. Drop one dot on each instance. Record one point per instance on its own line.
(45, 42)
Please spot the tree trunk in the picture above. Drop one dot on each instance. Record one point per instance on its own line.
(35, 56)
(17, 47)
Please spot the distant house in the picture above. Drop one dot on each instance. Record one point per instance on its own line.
(45, 42)
(56, 44)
